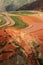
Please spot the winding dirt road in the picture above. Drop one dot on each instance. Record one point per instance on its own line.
(9, 21)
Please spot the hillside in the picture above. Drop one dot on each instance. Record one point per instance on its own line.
(11, 5)
(37, 5)
(21, 38)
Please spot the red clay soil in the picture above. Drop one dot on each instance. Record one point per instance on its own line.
(39, 37)
(6, 55)
(2, 33)
(15, 34)
(8, 47)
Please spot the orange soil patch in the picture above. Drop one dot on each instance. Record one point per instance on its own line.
(16, 36)
(31, 19)
(2, 32)
(39, 37)
(8, 47)
(36, 19)
(4, 36)
(26, 19)
(38, 34)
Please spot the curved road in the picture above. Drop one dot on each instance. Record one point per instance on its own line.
(9, 21)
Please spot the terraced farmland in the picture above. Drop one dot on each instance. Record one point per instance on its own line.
(19, 23)
(21, 38)
(3, 21)
(12, 19)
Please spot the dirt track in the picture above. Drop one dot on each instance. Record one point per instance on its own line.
(11, 22)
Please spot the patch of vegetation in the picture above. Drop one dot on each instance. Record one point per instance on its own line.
(19, 23)
(2, 21)
(23, 12)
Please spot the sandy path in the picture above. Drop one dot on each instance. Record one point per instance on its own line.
(8, 17)
(7, 22)
(11, 20)
(14, 15)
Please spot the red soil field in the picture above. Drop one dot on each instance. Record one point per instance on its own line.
(31, 19)
(37, 29)
(39, 37)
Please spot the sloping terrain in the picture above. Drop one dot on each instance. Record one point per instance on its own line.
(36, 5)
(21, 38)
(12, 5)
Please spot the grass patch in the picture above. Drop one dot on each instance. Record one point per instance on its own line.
(23, 12)
(19, 23)
(2, 21)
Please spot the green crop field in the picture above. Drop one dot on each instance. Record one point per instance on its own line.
(2, 21)
(19, 23)
(23, 12)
